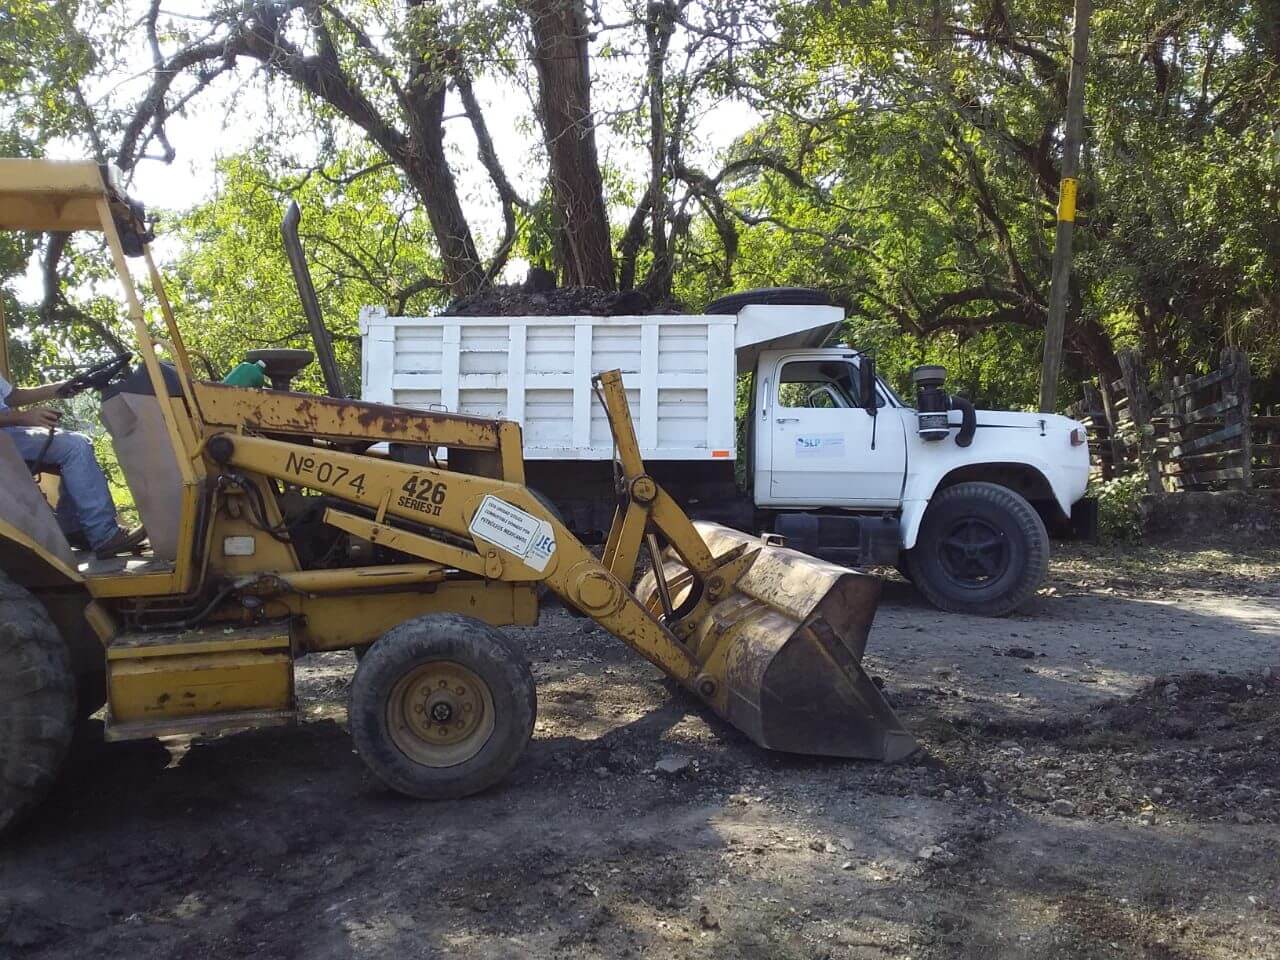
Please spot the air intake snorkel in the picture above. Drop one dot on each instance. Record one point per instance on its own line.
(933, 404)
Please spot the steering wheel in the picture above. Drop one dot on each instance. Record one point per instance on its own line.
(96, 377)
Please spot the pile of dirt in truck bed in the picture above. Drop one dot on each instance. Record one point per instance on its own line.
(514, 300)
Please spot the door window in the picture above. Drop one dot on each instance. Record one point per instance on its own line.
(817, 384)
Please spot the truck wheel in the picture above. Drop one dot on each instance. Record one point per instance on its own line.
(903, 566)
(982, 549)
(442, 706)
(37, 702)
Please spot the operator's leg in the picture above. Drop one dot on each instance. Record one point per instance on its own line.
(68, 518)
(83, 482)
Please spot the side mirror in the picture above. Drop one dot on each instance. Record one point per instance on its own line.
(867, 384)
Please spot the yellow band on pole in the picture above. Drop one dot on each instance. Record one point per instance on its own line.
(1067, 200)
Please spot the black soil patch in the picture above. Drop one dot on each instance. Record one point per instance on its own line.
(1196, 746)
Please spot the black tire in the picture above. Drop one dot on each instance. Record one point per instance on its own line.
(91, 694)
(982, 549)
(786, 296)
(405, 664)
(903, 567)
(37, 703)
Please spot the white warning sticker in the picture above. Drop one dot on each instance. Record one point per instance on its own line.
(514, 530)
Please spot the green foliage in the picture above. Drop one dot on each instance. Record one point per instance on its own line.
(913, 166)
(366, 242)
(1120, 506)
(121, 495)
(41, 63)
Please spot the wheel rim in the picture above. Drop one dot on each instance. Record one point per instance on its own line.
(440, 714)
(974, 553)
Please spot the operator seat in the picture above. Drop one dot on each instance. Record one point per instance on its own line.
(133, 416)
(23, 506)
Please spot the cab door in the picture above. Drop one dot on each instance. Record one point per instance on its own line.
(821, 449)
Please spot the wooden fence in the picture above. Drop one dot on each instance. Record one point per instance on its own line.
(1187, 433)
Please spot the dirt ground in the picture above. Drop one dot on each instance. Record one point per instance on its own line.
(1101, 778)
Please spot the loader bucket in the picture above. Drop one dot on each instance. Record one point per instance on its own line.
(783, 651)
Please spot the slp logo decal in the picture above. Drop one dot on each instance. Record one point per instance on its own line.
(820, 445)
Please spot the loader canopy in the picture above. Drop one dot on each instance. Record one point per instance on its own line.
(55, 196)
(70, 196)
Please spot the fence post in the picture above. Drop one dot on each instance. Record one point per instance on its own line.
(1113, 426)
(1177, 432)
(1239, 413)
(1101, 424)
(1135, 383)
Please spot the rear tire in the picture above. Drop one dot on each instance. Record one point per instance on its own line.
(982, 549)
(37, 703)
(442, 707)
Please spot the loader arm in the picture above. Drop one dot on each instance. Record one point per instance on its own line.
(528, 545)
(779, 659)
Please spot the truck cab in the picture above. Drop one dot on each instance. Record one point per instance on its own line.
(840, 463)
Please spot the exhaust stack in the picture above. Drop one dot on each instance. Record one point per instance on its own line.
(310, 304)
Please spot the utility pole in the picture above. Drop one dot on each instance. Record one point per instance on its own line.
(1060, 284)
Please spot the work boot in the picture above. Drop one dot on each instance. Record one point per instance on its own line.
(122, 541)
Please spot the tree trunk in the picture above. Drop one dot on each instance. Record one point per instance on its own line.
(582, 224)
(424, 161)
(658, 29)
(420, 153)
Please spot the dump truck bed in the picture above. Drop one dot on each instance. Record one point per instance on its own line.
(680, 372)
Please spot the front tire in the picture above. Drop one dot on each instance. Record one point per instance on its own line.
(37, 703)
(982, 549)
(442, 707)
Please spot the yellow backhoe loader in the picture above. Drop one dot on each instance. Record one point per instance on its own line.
(283, 523)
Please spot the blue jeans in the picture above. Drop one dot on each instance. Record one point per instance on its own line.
(85, 504)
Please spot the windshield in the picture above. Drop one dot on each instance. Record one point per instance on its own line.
(891, 393)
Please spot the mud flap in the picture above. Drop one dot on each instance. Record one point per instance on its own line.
(783, 652)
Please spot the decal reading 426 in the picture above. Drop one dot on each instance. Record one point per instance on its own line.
(423, 495)
(305, 465)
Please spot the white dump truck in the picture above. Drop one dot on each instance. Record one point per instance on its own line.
(746, 416)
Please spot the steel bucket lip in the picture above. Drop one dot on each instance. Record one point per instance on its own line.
(819, 612)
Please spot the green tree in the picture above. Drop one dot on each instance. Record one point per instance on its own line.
(366, 238)
(914, 172)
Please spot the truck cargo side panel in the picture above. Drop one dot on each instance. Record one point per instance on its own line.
(679, 372)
